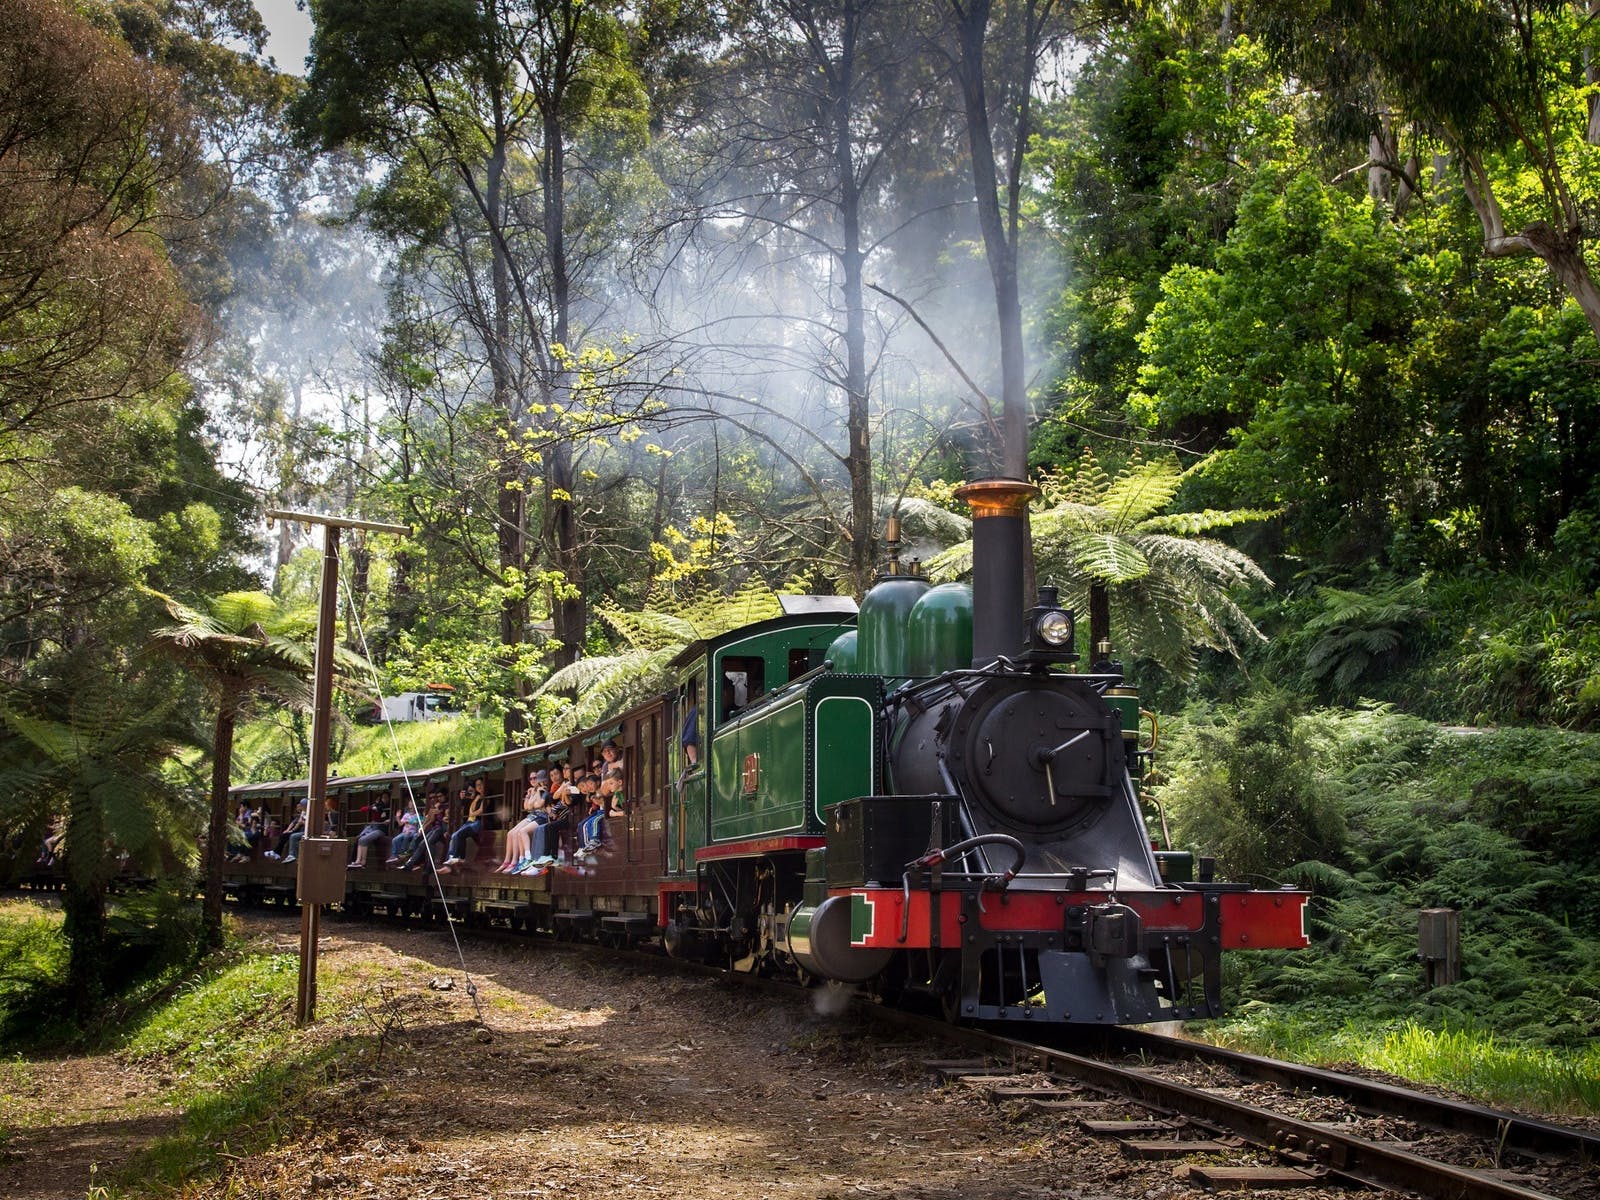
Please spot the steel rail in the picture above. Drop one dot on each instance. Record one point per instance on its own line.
(1507, 1128)
(1344, 1156)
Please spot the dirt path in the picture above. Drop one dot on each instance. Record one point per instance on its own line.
(598, 1081)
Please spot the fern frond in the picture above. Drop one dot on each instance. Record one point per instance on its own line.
(650, 629)
(1142, 489)
(1189, 524)
(950, 565)
(922, 518)
(1106, 557)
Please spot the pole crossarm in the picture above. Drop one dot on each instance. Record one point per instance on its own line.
(284, 514)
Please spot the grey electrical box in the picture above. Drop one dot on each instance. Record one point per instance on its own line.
(323, 864)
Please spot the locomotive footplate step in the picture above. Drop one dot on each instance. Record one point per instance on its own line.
(1240, 1178)
(1171, 1148)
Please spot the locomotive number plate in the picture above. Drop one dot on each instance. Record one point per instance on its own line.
(752, 773)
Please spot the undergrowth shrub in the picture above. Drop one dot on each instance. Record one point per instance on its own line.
(1501, 825)
(152, 939)
(1250, 791)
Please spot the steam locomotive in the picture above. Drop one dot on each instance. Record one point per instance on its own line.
(920, 797)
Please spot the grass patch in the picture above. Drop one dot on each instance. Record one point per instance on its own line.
(220, 1038)
(33, 969)
(241, 1071)
(270, 748)
(1475, 1062)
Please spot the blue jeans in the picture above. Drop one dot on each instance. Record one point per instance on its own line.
(471, 829)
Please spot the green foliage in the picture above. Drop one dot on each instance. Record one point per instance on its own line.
(611, 683)
(1171, 589)
(1497, 824)
(1466, 648)
(242, 1077)
(1285, 354)
(1338, 640)
(33, 970)
(1144, 167)
(151, 936)
(1248, 790)
(1473, 1062)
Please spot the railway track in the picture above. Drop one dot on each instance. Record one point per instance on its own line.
(1275, 1124)
(1282, 1125)
(1234, 1120)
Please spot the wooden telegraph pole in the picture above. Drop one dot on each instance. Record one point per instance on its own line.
(320, 858)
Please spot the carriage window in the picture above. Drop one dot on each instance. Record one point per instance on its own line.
(644, 766)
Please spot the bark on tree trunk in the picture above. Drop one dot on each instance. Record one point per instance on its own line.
(1099, 619)
(999, 250)
(863, 544)
(1560, 250)
(83, 902)
(217, 826)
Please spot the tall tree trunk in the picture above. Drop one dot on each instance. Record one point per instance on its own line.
(1099, 619)
(569, 608)
(83, 902)
(999, 251)
(858, 459)
(1560, 249)
(510, 513)
(217, 826)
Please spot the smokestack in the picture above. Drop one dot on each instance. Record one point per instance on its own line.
(998, 609)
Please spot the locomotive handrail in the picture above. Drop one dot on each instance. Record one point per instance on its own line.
(934, 858)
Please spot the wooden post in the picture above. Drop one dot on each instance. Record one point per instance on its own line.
(311, 898)
(1439, 945)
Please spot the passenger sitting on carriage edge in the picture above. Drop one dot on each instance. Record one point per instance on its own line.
(471, 827)
(289, 845)
(431, 839)
(406, 840)
(606, 802)
(519, 838)
(374, 831)
(545, 837)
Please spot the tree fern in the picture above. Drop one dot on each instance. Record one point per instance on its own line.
(1354, 634)
(1170, 590)
(588, 690)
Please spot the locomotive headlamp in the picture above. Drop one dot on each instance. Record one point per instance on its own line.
(1051, 630)
(1055, 627)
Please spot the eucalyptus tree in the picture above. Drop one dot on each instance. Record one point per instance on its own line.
(997, 50)
(825, 93)
(509, 130)
(1504, 86)
(92, 147)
